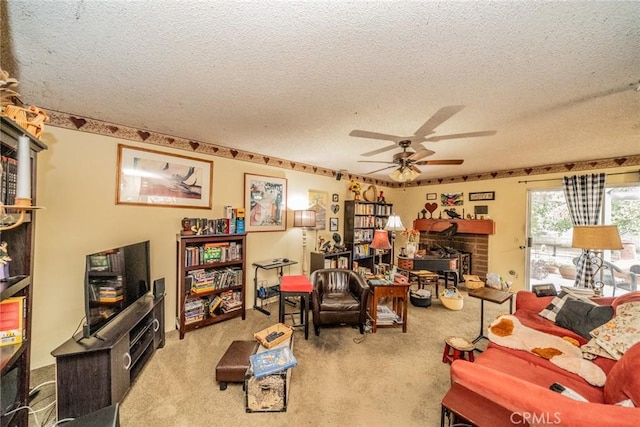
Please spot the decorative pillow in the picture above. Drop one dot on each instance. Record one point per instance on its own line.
(582, 317)
(551, 311)
(623, 299)
(623, 381)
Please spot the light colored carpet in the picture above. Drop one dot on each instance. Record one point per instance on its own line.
(390, 378)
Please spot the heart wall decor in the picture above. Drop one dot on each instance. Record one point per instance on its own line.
(335, 208)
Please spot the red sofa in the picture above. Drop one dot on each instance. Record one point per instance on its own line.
(519, 381)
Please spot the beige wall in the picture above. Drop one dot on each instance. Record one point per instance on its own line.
(76, 184)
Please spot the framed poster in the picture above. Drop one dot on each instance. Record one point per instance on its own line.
(333, 224)
(432, 196)
(451, 199)
(153, 178)
(265, 203)
(485, 195)
(319, 202)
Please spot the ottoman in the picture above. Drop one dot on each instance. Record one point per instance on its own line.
(234, 363)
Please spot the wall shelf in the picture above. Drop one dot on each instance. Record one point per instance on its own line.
(468, 226)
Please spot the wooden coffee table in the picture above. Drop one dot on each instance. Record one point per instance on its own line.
(492, 295)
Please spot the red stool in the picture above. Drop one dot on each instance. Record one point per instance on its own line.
(297, 286)
(462, 349)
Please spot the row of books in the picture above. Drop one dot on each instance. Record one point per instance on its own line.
(212, 252)
(364, 209)
(361, 250)
(383, 210)
(12, 324)
(197, 309)
(206, 280)
(232, 223)
(363, 235)
(108, 261)
(9, 180)
(364, 221)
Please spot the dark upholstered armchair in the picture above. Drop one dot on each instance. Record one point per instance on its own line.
(339, 297)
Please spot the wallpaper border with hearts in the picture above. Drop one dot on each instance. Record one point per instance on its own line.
(84, 124)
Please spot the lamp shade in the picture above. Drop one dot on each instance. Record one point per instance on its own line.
(380, 240)
(596, 237)
(394, 223)
(403, 174)
(304, 218)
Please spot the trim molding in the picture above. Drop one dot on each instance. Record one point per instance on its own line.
(85, 124)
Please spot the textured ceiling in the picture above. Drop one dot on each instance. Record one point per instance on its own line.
(556, 80)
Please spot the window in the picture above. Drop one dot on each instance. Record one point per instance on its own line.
(550, 255)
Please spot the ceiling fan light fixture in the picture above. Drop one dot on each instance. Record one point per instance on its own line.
(397, 175)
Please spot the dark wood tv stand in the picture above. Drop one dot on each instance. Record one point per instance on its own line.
(96, 372)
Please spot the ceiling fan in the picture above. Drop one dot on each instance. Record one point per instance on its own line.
(422, 134)
(406, 162)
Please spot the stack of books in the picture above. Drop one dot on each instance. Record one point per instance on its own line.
(193, 311)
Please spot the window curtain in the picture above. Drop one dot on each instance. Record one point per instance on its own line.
(584, 195)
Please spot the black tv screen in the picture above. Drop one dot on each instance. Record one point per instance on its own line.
(114, 279)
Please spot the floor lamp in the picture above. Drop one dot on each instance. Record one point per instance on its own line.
(305, 219)
(394, 224)
(596, 238)
(380, 243)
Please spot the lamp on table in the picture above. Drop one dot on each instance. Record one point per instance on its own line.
(380, 243)
(596, 238)
(305, 219)
(394, 224)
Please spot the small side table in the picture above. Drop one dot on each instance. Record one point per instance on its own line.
(492, 295)
(296, 286)
(399, 292)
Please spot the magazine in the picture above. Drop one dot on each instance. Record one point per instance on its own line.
(272, 361)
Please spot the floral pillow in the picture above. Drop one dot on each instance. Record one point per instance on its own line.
(620, 333)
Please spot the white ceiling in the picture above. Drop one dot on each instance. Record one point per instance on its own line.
(556, 80)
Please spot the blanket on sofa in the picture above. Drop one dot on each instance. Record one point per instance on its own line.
(507, 331)
(615, 337)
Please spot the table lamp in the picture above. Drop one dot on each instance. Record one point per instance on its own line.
(380, 242)
(596, 238)
(305, 219)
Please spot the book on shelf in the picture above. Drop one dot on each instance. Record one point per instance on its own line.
(272, 361)
(12, 315)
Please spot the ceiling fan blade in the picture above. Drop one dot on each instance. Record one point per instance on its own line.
(461, 135)
(375, 161)
(440, 162)
(420, 155)
(441, 116)
(374, 135)
(380, 170)
(379, 150)
(415, 169)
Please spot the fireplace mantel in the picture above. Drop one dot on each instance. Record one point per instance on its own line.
(468, 226)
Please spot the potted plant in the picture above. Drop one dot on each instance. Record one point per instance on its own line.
(568, 271)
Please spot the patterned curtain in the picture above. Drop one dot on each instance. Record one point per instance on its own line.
(584, 195)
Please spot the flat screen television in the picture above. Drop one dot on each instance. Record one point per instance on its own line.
(114, 279)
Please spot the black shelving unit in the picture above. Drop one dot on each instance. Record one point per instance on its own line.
(361, 220)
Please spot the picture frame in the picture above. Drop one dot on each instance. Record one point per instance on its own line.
(333, 224)
(335, 198)
(451, 199)
(319, 202)
(432, 196)
(153, 178)
(483, 195)
(265, 203)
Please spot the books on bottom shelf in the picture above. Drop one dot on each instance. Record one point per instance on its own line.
(272, 361)
(386, 316)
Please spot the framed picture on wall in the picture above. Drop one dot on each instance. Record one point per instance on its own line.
(333, 224)
(265, 203)
(485, 195)
(152, 178)
(432, 196)
(319, 202)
